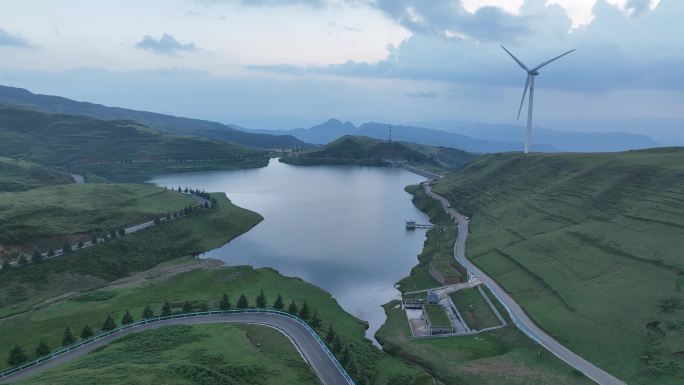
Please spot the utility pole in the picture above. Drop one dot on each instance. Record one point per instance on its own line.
(390, 133)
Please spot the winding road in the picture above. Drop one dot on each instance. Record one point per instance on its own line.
(517, 314)
(311, 349)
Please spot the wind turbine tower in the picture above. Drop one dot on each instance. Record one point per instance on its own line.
(390, 133)
(529, 84)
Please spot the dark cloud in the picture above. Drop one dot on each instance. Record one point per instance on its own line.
(637, 7)
(8, 39)
(166, 44)
(422, 94)
(449, 19)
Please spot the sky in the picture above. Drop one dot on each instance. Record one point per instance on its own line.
(277, 64)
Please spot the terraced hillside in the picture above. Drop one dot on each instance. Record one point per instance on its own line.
(591, 246)
(18, 175)
(351, 149)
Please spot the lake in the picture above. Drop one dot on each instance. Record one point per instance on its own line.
(341, 228)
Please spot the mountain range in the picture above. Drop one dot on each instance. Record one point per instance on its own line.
(475, 137)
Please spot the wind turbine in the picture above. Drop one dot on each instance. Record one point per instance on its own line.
(531, 73)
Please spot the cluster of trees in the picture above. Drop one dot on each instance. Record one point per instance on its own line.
(197, 192)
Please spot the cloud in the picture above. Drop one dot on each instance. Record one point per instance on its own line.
(166, 44)
(617, 50)
(8, 39)
(422, 94)
(449, 19)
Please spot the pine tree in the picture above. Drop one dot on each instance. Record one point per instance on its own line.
(66, 247)
(93, 239)
(87, 332)
(36, 257)
(225, 302)
(261, 300)
(51, 252)
(187, 307)
(22, 260)
(242, 302)
(278, 304)
(122, 231)
(109, 324)
(127, 318)
(330, 336)
(6, 265)
(80, 244)
(16, 356)
(67, 338)
(112, 234)
(157, 221)
(42, 349)
(147, 312)
(292, 308)
(315, 321)
(166, 309)
(304, 311)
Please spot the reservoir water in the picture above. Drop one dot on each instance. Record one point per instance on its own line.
(338, 227)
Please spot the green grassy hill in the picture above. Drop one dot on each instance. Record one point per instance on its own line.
(364, 150)
(591, 246)
(189, 355)
(67, 140)
(44, 217)
(171, 124)
(19, 175)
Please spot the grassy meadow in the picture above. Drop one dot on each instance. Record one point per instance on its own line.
(591, 246)
(474, 308)
(212, 353)
(206, 286)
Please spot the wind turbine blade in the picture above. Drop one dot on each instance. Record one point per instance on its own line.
(516, 59)
(522, 101)
(549, 61)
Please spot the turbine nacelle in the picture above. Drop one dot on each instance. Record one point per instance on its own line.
(529, 84)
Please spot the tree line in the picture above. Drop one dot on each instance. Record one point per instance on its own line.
(17, 355)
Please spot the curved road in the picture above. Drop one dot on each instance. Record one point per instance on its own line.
(519, 317)
(308, 346)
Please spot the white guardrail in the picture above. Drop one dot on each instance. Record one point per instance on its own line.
(100, 336)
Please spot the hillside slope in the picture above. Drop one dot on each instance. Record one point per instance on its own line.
(591, 246)
(364, 150)
(19, 175)
(67, 139)
(171, 124)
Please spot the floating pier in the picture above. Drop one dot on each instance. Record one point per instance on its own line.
(412, 225)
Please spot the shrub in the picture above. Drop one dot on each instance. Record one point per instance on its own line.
(17, 356)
